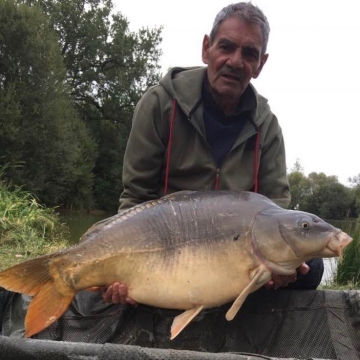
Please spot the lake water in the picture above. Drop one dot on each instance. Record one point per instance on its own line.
(79, 223)
(330, 266)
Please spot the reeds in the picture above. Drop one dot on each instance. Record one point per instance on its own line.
(348, 269)
(27, 229)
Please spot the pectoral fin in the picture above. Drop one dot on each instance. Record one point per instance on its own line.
(259, 279)
(182, 320)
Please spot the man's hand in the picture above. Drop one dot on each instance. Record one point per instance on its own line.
(284, 280)
(117, 293)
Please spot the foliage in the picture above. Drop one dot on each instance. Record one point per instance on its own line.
(355, 181)
(108, 68)
(348, 270)
(321, 195)
(109, 166)
(71, 73)
(27, 229)
(39, 125)
(330, 200)
(299, 186)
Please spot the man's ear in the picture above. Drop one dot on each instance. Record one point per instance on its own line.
(205, 49)
(262, 63)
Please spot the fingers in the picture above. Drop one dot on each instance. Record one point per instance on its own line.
(280, 281)
(284, 280)
(117, 294)
(303, 269)
(122, 295)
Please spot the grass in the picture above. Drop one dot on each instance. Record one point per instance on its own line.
(348, 269)
(27, 229)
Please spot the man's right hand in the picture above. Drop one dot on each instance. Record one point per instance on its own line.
(117, 293)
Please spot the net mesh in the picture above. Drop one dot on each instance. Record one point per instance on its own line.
(286, 324)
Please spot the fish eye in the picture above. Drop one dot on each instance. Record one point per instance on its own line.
(305, 225)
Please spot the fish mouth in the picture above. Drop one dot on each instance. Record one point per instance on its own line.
(337, 244)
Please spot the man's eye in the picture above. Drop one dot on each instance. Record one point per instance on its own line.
(250, 54)
(225, 47)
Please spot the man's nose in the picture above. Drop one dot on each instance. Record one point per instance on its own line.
(235, 59)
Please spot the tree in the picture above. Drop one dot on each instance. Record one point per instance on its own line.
(355, 187)
(299, 186)
(39, 126)
(108, 69)
(320, 194)
(328, 198)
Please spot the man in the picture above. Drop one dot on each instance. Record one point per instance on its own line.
(208, 128)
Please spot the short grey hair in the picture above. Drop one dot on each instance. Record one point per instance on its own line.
(246, 12)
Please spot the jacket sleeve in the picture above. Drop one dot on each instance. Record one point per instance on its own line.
(273, 181)
(145, 152)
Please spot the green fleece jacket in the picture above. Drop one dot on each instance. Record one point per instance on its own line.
(192, 163)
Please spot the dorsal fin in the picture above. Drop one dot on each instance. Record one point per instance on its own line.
(178, 193)
(97, 227)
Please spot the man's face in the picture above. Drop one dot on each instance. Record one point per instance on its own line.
(234, 58)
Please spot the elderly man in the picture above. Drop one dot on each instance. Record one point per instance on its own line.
(208, 128)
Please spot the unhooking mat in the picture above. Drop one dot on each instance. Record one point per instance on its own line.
(272, 324)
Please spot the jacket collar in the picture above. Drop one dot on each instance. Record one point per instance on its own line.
(185, 85)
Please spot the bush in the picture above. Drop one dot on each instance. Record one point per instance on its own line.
(27, 229)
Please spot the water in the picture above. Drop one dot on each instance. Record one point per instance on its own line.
(330, 266)
(79, 223)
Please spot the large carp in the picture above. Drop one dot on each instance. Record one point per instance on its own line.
(188, 250)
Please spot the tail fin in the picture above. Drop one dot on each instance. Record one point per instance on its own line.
(45, 308)
(27, 277)
(33, 278)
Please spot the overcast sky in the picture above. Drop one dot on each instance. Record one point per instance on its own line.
(311, 79)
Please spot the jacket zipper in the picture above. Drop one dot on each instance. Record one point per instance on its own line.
(217, 174)
(217, 179)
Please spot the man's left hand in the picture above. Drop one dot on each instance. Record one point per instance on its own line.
(284, 280)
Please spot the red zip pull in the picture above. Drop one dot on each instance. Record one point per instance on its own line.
(217, 179)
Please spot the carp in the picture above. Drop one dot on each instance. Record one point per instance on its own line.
(174, 253)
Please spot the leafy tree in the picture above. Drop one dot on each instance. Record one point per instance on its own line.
(355, 186)
(328, 198)
(39, 125)
(355, 180)
(337, 202)
(320, 194)
(108, 69)
(108, 186)
(299, 186)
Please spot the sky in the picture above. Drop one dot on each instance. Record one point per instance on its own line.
(311, 78)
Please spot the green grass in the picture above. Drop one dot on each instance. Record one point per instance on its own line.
(348, 270)
(27, 229)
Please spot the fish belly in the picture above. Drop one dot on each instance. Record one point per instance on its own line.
(190, 279)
